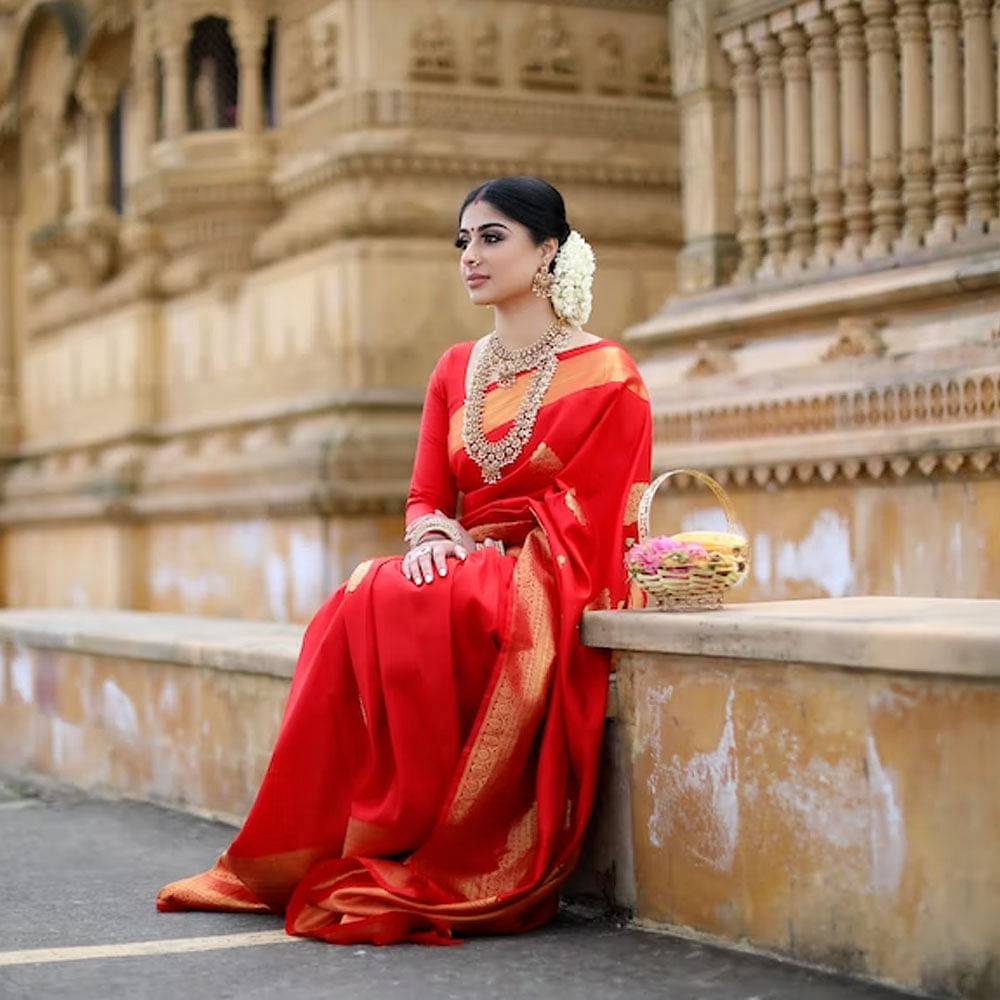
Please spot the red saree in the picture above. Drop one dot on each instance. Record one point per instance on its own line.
(436, 764)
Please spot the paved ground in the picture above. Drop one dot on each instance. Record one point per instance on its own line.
(78, 877)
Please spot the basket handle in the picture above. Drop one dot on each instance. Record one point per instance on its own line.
(720, 494)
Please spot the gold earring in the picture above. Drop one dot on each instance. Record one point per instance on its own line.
(541, 283)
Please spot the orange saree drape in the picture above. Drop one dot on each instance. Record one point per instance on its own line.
(436, 764)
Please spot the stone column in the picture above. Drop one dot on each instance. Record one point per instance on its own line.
(143, 94)
(918, 199)
(97, 95)
(948, 121)
(798, 141)
(8, 279)
(825, 118)
(249, 30)
(701, 84)
(175, 112)
(747, 153)
(883, 125)
(772, 128)
(853, 127)
(980, 115)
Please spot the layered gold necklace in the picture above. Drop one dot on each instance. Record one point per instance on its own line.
(500, 364)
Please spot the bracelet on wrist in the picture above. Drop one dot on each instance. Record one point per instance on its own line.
(431, 524)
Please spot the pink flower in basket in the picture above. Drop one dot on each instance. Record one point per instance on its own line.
(659, 552)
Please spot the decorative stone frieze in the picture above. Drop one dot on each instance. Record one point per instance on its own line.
(550, 58)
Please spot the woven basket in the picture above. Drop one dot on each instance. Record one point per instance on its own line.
(693, 569)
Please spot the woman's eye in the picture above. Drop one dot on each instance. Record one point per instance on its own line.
(461, 244)
(491, 238)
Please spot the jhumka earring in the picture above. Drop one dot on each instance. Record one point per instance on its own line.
(541, 283)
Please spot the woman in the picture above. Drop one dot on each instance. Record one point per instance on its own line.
(436, 763)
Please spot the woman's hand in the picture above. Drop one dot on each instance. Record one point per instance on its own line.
(421, 562)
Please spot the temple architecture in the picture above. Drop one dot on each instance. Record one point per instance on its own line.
(226, 266)
(833, 354)
(226, 271)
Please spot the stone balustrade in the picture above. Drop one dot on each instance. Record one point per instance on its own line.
(814, 779)
(860, 130)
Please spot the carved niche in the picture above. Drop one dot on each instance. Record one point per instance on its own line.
(654, 69)
(328, 56)
(300, 80)
(433, 50)
(610, 63)
(550, 59)
(486, 54)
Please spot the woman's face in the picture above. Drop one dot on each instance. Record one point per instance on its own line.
(498, 256)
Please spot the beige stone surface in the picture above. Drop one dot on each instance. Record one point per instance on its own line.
(838, 816)
(224, 365)
(894, 634)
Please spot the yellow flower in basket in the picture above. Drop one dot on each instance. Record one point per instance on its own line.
(692, 569)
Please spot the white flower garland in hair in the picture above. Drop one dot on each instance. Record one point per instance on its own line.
(572, 278)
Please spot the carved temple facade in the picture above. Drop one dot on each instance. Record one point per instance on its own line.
(226, 271)
(833, 354)
(226, 266)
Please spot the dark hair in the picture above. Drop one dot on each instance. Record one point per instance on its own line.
(535, 203)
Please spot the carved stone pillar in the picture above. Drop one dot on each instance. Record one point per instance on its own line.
(249, 33)
(772, 127)
(853, 128)
(980, 115)
(918, 199)
(948, 121)
(97, 95)
(798, 141)
(701, 84)
(883, 95)
(175, 116)
(747, 153)
(8, 279)
(823, 66)
(143, 87)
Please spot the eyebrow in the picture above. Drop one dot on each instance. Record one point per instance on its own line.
(485, 225)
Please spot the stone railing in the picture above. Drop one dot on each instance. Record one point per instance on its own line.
(814, 779)
(846, 131)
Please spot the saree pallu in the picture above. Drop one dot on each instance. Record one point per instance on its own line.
(436, 764)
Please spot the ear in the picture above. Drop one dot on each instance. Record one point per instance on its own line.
(549, 249)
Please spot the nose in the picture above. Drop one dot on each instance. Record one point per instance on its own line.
(469, 258)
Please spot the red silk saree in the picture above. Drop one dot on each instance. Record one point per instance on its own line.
(436, 763)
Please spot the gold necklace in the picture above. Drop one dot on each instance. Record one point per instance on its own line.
(500, 364)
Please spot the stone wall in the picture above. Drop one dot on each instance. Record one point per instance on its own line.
(226, 349)
(813, 779)
(833, 354)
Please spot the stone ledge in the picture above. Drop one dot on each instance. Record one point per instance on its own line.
(252, 647)
(923, 635)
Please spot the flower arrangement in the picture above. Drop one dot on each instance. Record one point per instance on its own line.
(572, 278)
(663, 554)
(691, 569)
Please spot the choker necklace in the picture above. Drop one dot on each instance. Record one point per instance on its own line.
(500, 364)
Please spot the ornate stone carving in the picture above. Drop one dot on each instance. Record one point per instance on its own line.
(690, 29)
(856, 337)
(432, 50)
(711, 359)
(486, 54)
(204, 101)
(549, 59)
(300, 79)
(610, 63)
(328, 56)
(654, 69)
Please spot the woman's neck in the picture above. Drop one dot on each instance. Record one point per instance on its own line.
(522, 323)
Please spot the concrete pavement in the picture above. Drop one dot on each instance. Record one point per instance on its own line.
(78, 877)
